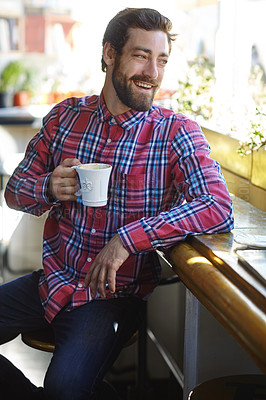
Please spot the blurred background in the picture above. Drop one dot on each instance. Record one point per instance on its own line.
(217, 64)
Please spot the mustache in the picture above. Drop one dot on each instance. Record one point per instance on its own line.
(145, 79)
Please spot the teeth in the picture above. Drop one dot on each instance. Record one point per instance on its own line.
(144, 85)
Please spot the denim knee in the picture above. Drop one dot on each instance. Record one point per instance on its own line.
(68, 385)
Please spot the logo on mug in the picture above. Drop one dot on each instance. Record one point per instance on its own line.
(87, 184)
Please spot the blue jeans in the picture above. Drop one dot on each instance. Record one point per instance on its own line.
(88, 339)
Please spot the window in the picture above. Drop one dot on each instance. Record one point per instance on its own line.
(9, 34)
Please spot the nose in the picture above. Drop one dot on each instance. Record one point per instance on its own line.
(151, 69)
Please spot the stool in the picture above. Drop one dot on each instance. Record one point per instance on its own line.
(44, 339)
(238, 387)
(40, 340)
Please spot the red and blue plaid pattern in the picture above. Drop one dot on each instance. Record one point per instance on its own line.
(163, 187)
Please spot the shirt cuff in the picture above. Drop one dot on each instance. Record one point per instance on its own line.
(41, 190)
(134, 238)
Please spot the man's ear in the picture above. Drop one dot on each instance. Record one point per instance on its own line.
(109, 54)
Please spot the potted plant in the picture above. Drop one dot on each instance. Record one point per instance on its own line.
(256, 137)
(25, 87)
(8, 81)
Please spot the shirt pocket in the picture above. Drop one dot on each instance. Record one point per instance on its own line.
(135, 192)
(127, 196)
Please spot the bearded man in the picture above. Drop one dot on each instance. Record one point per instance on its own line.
(100, 264)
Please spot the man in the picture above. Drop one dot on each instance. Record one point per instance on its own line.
(100, 264)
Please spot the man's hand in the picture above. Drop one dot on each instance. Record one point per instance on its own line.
(63, 183)
(105, 266)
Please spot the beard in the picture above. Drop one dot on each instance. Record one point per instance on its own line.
(124, 89)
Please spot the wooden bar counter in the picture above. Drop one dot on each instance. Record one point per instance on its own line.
(232, 290)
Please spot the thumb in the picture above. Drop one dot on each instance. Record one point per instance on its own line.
(70, 162)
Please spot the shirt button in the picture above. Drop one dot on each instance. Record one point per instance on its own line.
(80, 285)
(89, 259)
(93, 230)
(113, 120)
(109, 140)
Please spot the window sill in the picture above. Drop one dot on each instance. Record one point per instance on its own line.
(241, 173)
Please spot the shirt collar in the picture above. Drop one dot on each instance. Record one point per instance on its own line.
(126, 120)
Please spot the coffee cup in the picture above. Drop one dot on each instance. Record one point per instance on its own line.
(93, 180)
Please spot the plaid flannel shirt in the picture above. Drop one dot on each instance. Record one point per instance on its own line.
(163, 187)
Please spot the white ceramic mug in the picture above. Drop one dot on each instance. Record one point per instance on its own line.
(94, 179)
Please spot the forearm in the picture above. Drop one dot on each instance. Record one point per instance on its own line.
(27, 189)
(28, 193)
(207, 209)
(201, 216)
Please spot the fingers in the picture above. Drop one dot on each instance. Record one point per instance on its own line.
(70, 162)
(111, 279)
(99, 282)
(63, 188)
(104, 267)
(98, 278)
(91, 279)
(63, 183)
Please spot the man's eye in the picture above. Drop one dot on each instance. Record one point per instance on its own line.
(163, 62)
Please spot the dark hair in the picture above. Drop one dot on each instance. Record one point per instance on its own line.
(144, 18)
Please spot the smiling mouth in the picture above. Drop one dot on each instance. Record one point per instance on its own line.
(143, 85)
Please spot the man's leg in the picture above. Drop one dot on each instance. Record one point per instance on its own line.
(14, 385)
(88, 340)
(20, 307)
(20, 311)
